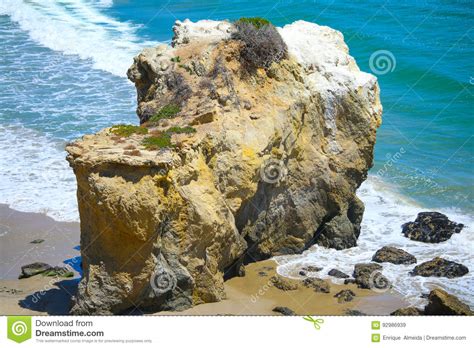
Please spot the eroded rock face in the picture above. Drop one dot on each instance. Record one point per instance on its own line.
(442, 303)
(431, 227)
(272, 167)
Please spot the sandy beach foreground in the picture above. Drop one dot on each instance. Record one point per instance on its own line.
(252, 294)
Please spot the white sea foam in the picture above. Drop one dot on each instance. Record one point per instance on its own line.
(78, 27)
(34, 175)
(385, 211)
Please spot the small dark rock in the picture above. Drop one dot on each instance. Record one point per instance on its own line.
(431, 227)
(311, 269)
(241, 270)
(262, 274)
(345, 295)
(442, 303)
(58, 272)
(37, 241)
(354, 312)
(283, 310)
(317, 284)
(33, 269)
(439, 267)
(349, 281)
(407, 311)
(337, 273)
(393, 255)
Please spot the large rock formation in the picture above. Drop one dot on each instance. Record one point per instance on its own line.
(270, 167)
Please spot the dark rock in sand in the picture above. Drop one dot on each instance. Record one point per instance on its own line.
(262, 274)
(283, 310)
(439, 267)
(317, 284)
(37, 241)
(34, 269)
(284, 284)
(349, 281)
(337, 273)
(431, 227)
(354, 312)
(368, 276)
(345, 295)
(393, 255)
(408, 311)
(442, 303)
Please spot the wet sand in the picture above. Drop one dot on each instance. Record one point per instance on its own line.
(18, 230)
(253, 294)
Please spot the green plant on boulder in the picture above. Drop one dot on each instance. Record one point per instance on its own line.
(257, 22)
(181, 130)
(167, 111)
(126, 130)
(157, 142)
(176, 59)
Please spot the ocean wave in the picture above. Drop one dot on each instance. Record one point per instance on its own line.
(385, 212)
(46, 184)
(78, 27)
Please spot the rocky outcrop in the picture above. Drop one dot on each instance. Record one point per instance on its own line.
(393, 255)
(431, 227)
(442, 303)
(227, 168)
(439, 267)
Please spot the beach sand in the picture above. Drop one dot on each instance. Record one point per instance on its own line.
(253, 294)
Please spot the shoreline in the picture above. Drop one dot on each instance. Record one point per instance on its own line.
(247, 295)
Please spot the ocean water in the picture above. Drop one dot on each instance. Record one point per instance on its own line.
(62, 75)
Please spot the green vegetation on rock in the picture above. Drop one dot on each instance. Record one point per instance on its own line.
(257, 22)
(167, 111)
(157, 142)
(125, 130)
(181, 130)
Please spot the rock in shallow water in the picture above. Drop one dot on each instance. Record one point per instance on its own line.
(431, 227)
(439, 267)
(393, 255)
(239, 184)
(337, 274)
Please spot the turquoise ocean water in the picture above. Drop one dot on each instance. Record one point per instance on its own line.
(62, 75)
